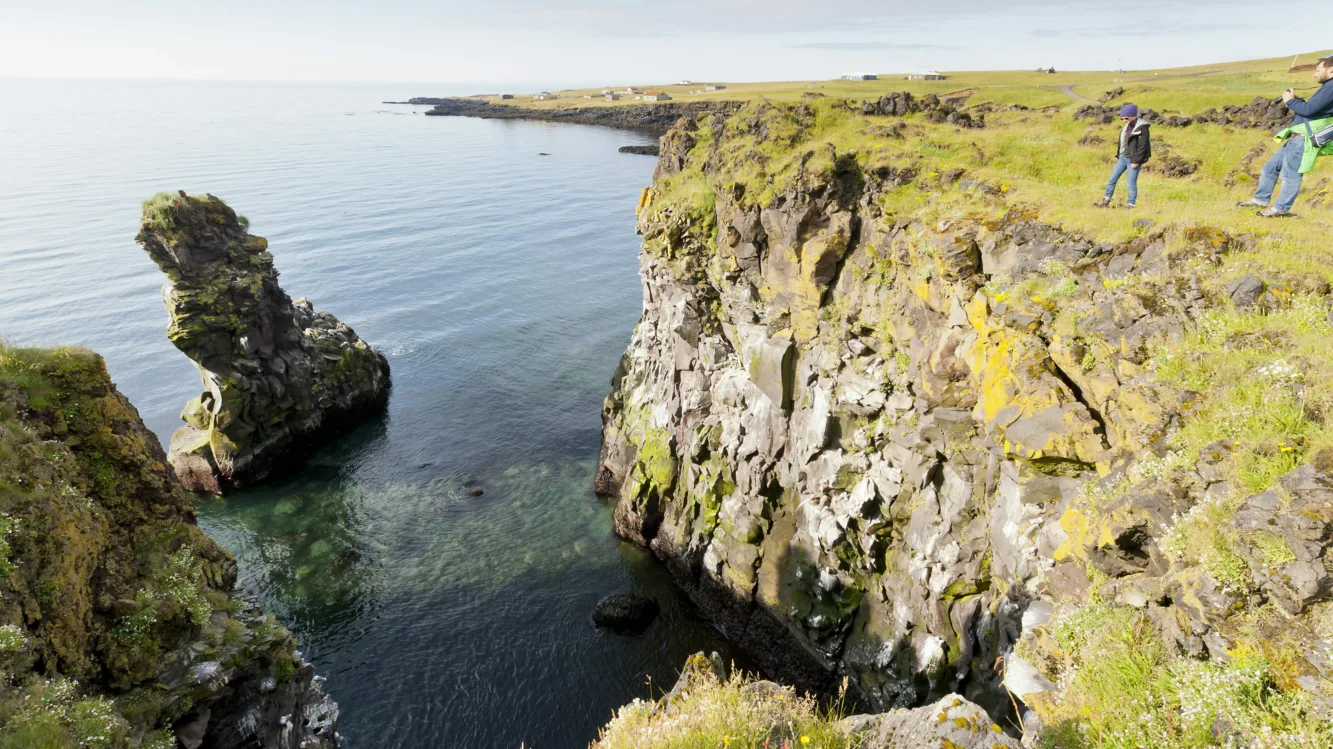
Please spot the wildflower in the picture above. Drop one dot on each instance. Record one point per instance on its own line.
(805, 739)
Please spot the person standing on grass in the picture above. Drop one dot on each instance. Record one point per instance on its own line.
(1135, 150)
(1297, 156)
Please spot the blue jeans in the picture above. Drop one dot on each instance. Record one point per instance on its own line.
(1286, 163)
(1122, 166)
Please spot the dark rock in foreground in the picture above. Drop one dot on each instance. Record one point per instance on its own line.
(279, 378)
(623, 612)
(648, 118)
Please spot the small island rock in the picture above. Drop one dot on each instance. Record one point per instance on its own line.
(624, 612)
(279, 378)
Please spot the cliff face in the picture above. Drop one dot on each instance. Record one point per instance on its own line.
(880, 420)
(117, 626)
(278, 376)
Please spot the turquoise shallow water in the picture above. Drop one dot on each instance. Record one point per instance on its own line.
(502, 285)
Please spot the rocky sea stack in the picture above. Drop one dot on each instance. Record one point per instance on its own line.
(885, 423)
(118, 625)
(279, 378)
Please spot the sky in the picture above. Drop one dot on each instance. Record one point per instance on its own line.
(595, 42)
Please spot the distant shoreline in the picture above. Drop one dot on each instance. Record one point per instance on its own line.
(649, 119)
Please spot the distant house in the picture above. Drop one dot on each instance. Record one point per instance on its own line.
(927, 76)
(545, 95)
(613, 97)
(691, 83)
(714, 87)
(860, 77)
(607, 91)
(506, 96)
(656, 96)
(632, 90)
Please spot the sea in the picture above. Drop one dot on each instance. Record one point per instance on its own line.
(495, 264)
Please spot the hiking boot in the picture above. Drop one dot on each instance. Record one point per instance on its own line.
(1273, 213)
(1129, 205)
(1102, 203)
(1251, 203)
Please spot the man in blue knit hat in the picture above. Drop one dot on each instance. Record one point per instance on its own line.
(1135, 149)
(1297, 156)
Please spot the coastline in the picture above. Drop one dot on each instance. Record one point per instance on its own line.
(651, 119)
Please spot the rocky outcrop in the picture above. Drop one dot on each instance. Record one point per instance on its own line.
(114, 597)
(903, 103)
(862, 438)
(279, 378)
(951, 722)
(654, 119)
(776, 716)
(1260, 114)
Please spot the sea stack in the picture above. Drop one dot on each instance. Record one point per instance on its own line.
(279, 378)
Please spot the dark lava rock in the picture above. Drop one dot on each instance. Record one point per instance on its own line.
(624, 612)
(903, 103)
(1245, 292)
(640, 150)
(475, 493)
(648, 118)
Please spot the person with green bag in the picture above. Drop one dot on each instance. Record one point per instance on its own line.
(1303, 143)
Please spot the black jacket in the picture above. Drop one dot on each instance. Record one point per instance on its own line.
(1139, 146)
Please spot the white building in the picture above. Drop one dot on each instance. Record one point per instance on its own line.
(714, 87)
(860, 77)
(656, 96)
(543, 96)
(929, 75)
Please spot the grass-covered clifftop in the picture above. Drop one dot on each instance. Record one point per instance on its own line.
(1188, 89)
(116, 619)
(899, 382)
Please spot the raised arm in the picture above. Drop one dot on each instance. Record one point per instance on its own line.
(1319, 105)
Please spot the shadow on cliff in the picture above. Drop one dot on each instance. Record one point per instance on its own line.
(836, 643)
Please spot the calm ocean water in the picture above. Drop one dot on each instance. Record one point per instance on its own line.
(502, 285)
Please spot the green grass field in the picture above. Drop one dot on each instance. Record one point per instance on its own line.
(1186, 90)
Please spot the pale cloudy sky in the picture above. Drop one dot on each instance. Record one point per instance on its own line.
(616, 41)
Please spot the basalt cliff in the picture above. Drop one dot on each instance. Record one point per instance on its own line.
(279, 378)
(887, 424)
(118, 624)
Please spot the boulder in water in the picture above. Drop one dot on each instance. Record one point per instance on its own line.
(624, 612)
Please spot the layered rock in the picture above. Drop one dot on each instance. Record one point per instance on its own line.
(113, 596)
(279, 378)
(862, 437)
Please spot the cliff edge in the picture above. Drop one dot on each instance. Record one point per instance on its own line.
(886, 421)
(118, 627)
(279, 378)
